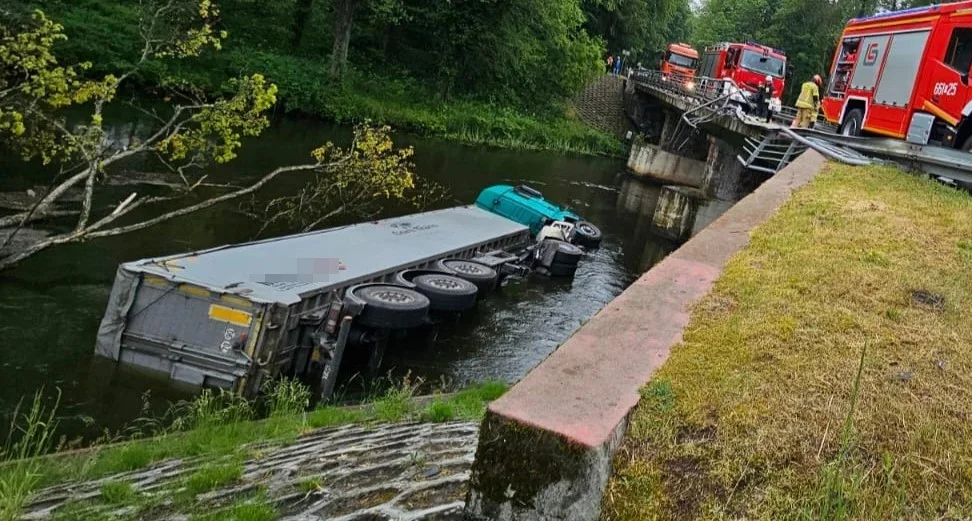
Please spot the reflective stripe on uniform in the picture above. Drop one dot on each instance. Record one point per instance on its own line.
(807, 95)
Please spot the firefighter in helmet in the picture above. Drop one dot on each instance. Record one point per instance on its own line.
(808, 103)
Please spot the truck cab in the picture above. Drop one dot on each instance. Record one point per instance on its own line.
(679, 60)
(747, 65)
(905, 74)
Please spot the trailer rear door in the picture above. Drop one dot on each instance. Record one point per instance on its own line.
(196, 336)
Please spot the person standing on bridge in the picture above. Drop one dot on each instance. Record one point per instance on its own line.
(808, 103)
(610, 63)
(766, 92)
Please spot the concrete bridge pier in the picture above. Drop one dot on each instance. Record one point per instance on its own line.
(675, 213)
(725, 178)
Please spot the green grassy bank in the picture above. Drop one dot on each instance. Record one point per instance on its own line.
(828, 375)
(217, 428)
(104, 32)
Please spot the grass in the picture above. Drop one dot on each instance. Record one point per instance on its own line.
(211, 477)
(117, 492)
(243, 510)
(216, 441)
(818, 381)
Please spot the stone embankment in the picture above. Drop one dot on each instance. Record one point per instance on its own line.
(401, 472)
(601, 105)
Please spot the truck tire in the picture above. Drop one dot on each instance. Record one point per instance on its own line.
(482, 276)
(586, 234)
(853, 123)
(445, 292)
(391, 307)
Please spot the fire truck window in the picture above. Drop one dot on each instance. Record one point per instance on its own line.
(959, 55)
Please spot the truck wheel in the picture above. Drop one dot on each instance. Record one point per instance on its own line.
(445, 292)
(586, 234)
(482, 276)
(391, 307)
(853, 123)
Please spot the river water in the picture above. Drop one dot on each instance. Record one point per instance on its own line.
(53, 303)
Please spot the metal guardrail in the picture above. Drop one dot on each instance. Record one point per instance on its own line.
(781, 144)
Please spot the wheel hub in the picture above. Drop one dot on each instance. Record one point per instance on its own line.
(444, 283)
(392, 296)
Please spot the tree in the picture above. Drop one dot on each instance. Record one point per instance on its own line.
(640, 26)
(34, 88)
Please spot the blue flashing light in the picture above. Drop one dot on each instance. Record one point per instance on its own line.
(902, 12)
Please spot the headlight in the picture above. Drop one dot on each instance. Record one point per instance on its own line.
(690, 85)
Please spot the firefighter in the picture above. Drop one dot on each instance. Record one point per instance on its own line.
(766, 93)
(808, 103)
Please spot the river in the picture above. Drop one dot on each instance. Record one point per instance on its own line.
(53, 303)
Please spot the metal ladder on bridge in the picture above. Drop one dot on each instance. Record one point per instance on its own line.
(779, 147)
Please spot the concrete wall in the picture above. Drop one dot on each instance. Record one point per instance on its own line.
(650, 161)
(546, 447)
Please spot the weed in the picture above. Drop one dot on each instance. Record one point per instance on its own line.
(311, 485)
(117, 492)
(286, 397)
(439, 412)
(211, 407)
(30, 435)
(396, 403)
(212, 477)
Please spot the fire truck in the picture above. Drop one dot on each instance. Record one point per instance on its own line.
(747, 65)
(905, 74)
(679, 60)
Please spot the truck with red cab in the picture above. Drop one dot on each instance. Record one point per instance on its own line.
(747, 65)
(680, 60)
(905, 74)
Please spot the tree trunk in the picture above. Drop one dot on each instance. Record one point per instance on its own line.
(343, 22)
(302, 13)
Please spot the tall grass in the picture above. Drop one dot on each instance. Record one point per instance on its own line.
(31, 434)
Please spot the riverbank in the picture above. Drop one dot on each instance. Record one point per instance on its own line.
(105, 34)
(216, 434)
(827, 375)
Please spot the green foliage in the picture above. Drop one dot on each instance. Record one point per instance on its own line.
(211, 408)
(496, 73)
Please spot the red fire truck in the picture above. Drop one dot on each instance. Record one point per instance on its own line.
(679, 60)
(747, 65)
(905, 74)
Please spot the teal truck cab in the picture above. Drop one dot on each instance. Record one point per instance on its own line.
(526, 205)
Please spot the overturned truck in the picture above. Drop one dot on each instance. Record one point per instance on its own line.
(232, 317)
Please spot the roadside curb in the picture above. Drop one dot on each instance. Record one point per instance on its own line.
(546, 447)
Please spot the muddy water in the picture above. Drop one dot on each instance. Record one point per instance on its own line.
(53, 303)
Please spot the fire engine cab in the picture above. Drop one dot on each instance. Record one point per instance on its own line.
(747, 65)
(905, 74)
(679, 60)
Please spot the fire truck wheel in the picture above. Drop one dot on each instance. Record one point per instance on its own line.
(967, 145)
(853, 123)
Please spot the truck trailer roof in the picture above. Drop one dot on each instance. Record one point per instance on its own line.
(283, 269)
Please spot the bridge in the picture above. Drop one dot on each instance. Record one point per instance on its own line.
(692, 108)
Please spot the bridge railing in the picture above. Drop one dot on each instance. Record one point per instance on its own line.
(703, 89)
